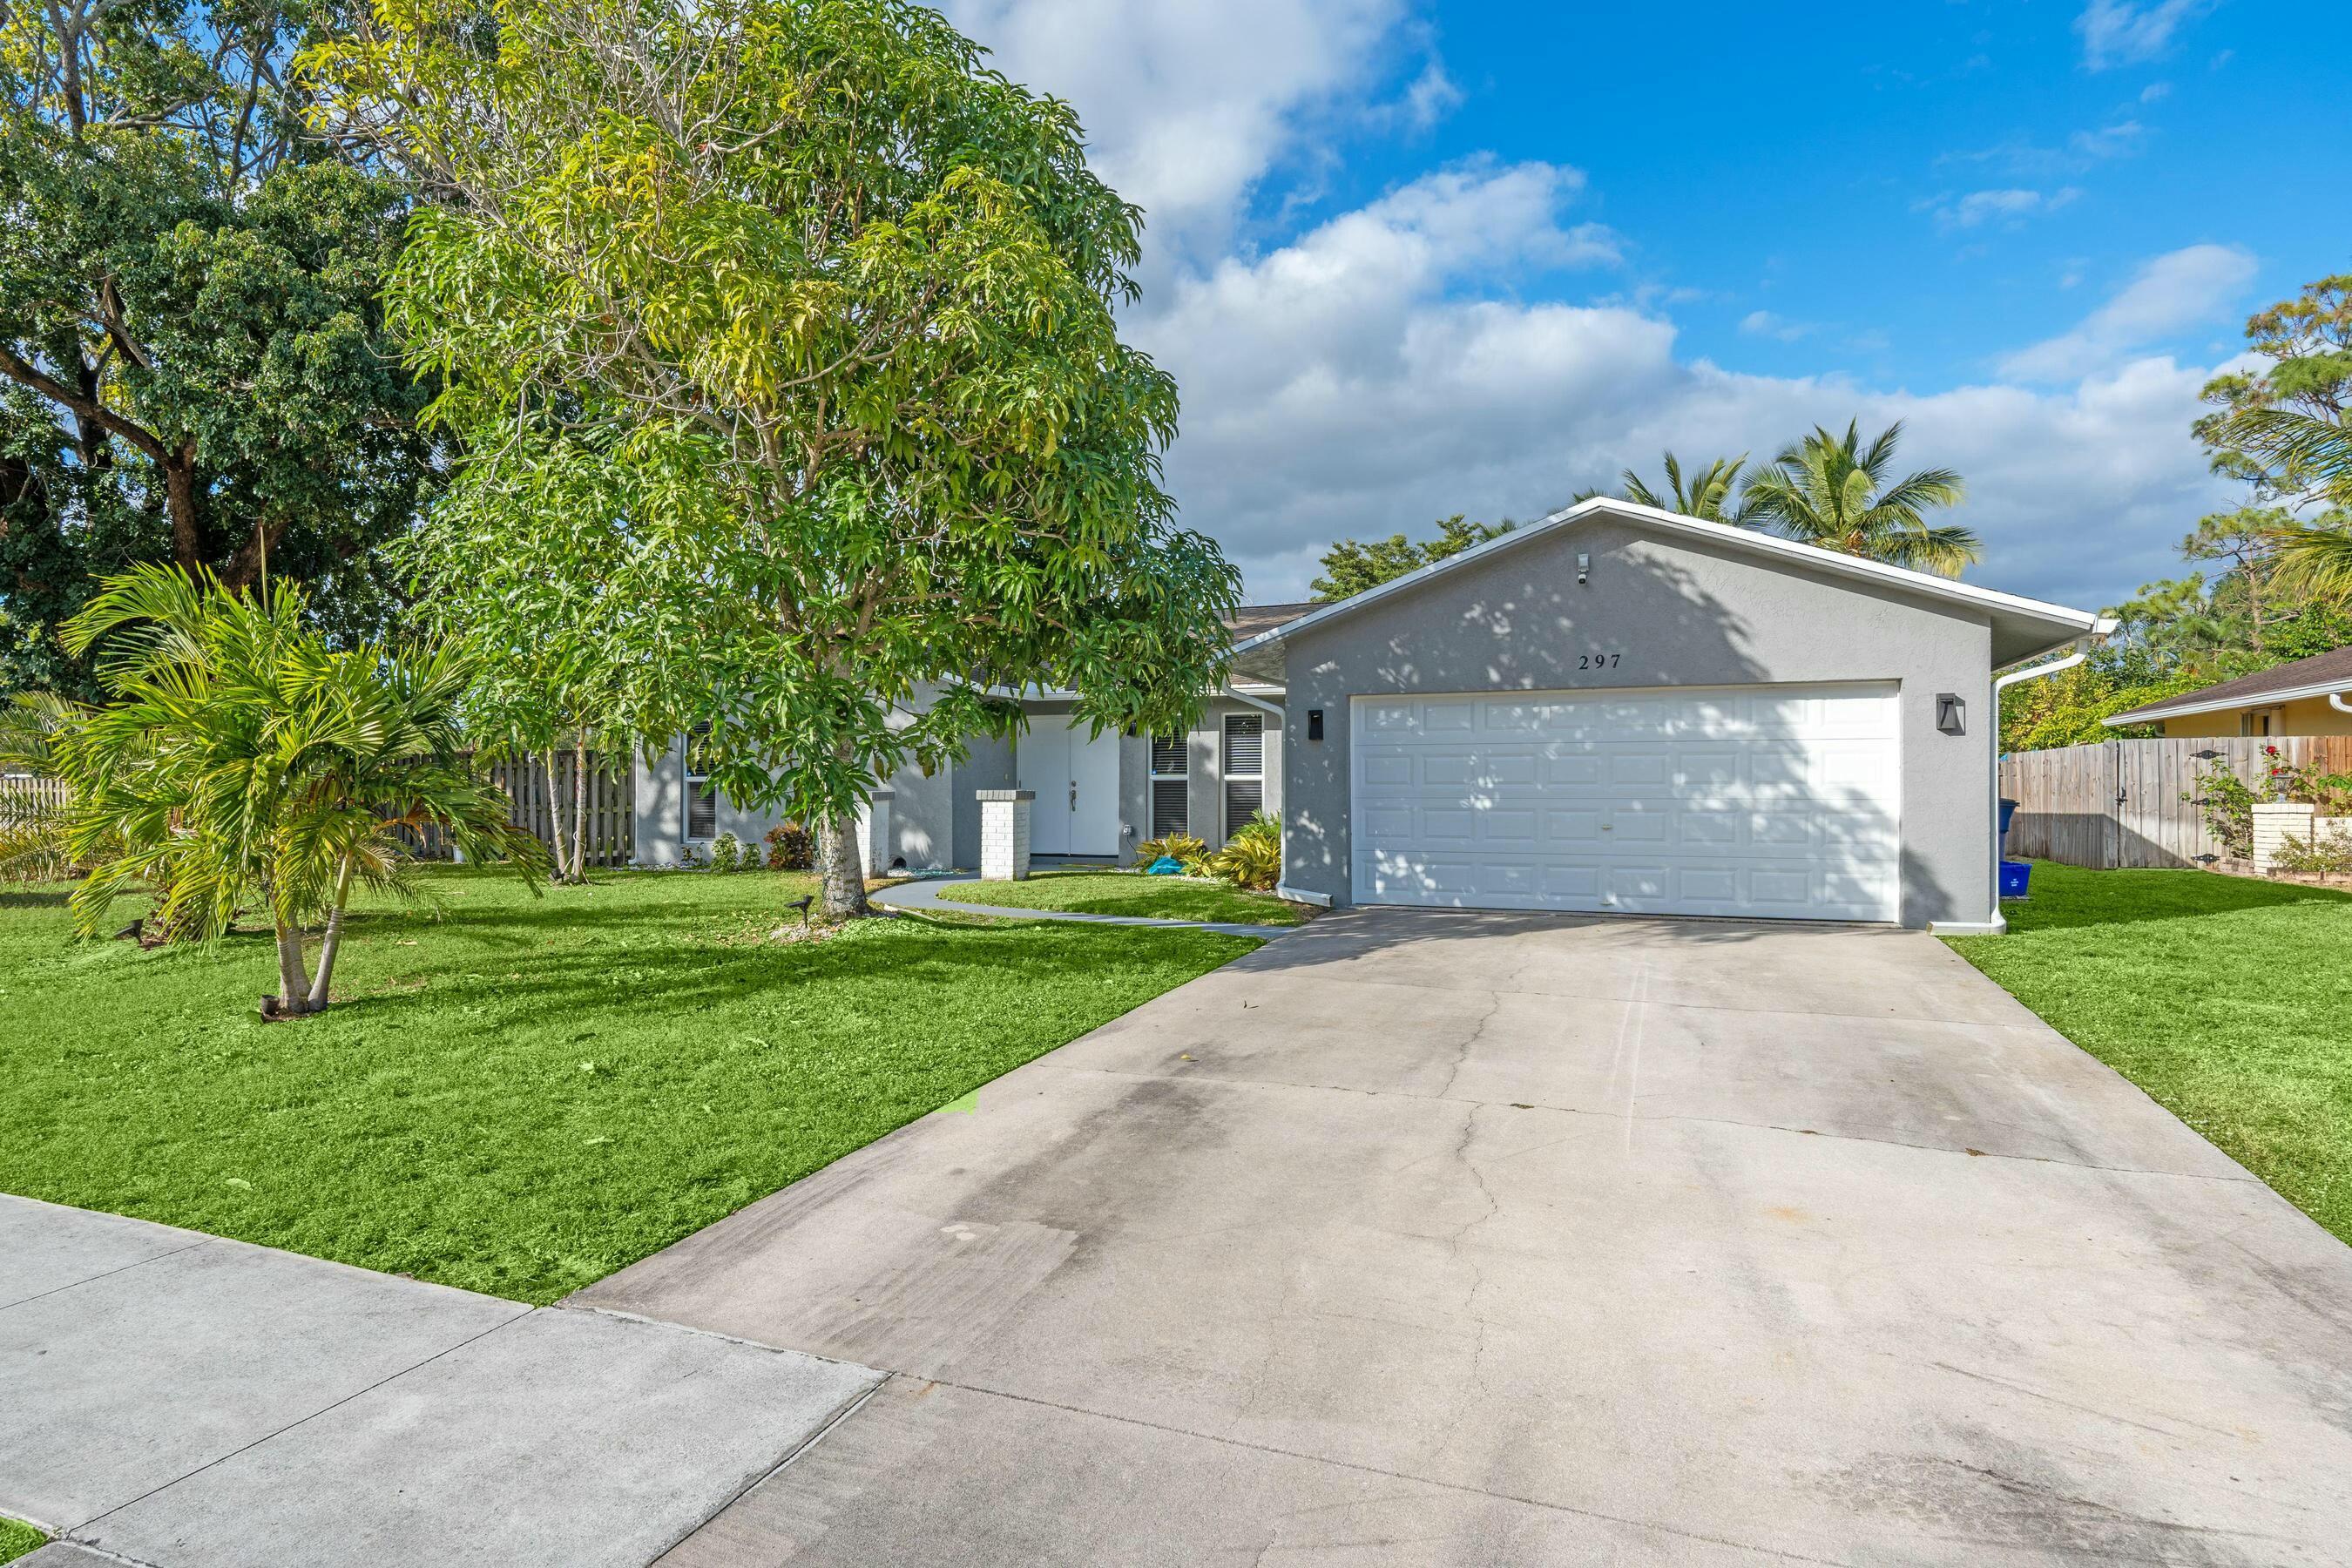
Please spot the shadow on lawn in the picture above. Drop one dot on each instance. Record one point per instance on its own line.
(2070, 898)
(940, 962)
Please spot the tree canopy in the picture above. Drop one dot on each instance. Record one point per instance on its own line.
(1352, 565)
(193, 362)
(1833, 491)
(782, 329)
(2283, 427)
(1708, 493)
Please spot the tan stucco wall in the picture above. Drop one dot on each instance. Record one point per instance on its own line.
(2310, 716)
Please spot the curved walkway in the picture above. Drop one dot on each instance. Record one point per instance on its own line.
(924, 896)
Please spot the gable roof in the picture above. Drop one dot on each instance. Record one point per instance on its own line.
(2022, 627)
(1251, 619)
(2314, 677)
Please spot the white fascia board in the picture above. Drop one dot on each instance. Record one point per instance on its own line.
(2257, 700)
(2081, 621)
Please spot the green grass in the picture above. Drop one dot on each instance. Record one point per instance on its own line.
(527, 1094)
(19, 1540)
(2227, 1000)
(1130, 893)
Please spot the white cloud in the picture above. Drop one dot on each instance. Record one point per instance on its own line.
(1765, 324)
(2010, 206)
(2029, 160)
(2118, 32)
(2179, 289)
(2156, 93)
(1186, 106)
(1431, 97)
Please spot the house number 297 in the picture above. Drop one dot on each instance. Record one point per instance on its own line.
(1596, 661)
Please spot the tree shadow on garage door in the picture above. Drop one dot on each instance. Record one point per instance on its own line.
(1643, 624)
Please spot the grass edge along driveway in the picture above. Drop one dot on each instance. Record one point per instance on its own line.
(2227, 999)
(18, 1539)
(529, 1093)
(1128, 893)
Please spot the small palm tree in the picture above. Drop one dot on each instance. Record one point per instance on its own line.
(1833, 491)
(1706, 494)
(240, 755)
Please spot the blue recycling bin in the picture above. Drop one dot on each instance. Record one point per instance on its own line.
(2014, 875)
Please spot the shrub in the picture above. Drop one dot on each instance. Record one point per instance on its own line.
(789, 848)
(1251, 858)
(2228, 804)
(1186, 850)
(725, 852)
(2328, 857)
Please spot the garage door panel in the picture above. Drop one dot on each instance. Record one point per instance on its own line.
(1737, 800)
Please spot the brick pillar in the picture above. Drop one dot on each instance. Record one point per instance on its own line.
(1004, 834)
(2274, 820)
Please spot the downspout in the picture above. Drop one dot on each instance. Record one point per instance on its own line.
(1998, 924)
(2336, 700)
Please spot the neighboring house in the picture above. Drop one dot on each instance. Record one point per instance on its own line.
(1625, 710)
(2310, 697)
(1098, 795)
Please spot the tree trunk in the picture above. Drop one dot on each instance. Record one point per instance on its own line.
(180, 501)
(293, 986)
(579, 805)
(842, 868)
(329, 944)
(554, 824)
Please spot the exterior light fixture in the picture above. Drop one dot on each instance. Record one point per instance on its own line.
(1583, 567)
(1314, 723)
(1951, 713)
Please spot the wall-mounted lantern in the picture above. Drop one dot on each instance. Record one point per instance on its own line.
(1583, 567)
(1314, 723)
(1951, 713)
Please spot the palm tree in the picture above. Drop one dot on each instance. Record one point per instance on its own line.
(1832, 491)
(1707, 495)
(240, 755)
(2316, 556)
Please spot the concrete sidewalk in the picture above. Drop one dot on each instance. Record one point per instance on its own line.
(183, 1401)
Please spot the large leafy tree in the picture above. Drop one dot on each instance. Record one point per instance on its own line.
(192, 365)
(238, 755)
(1352, 565)
(1709, 492)
(807, 318)
(1836, 493)
(2286, 429)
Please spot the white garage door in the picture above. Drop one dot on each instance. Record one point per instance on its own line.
(1780, 801)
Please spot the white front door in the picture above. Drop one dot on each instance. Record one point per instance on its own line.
(1747, 801)
(1074, 776)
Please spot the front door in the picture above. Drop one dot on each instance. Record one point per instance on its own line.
(1074, 776)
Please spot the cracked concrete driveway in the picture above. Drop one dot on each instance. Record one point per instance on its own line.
(1423, 1237)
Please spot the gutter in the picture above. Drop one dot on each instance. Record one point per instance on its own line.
(1997, 923)
(2336, 700)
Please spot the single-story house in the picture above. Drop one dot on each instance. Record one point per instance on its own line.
(1618, 709)
(1098, 795)
(2310, 697)
(1612, 709)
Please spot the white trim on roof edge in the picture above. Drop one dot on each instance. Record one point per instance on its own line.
(2150, 714)
(1811, 555)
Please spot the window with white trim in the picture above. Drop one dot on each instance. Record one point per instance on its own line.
(1172, 786)
(1245, 768)
(702, 798)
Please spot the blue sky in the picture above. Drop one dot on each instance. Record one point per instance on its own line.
(1411, 259)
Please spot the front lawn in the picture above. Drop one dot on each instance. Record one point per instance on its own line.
(2227, 1000)
(1130, 893)
(19, 1540)
(529, 1093)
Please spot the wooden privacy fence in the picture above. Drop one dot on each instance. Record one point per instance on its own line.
(2117, 804)
(41, 792)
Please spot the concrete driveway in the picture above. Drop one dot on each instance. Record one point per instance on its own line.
(1420, 1237)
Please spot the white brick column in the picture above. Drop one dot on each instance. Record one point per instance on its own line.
(873, 832)
(1004, 834)
(2275, 822)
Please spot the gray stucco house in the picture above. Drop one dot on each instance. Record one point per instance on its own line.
(1617, 709)
(1098, 795)
(1611, 710)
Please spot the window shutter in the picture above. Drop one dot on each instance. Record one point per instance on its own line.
(1244, 744)
(1171, 808)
